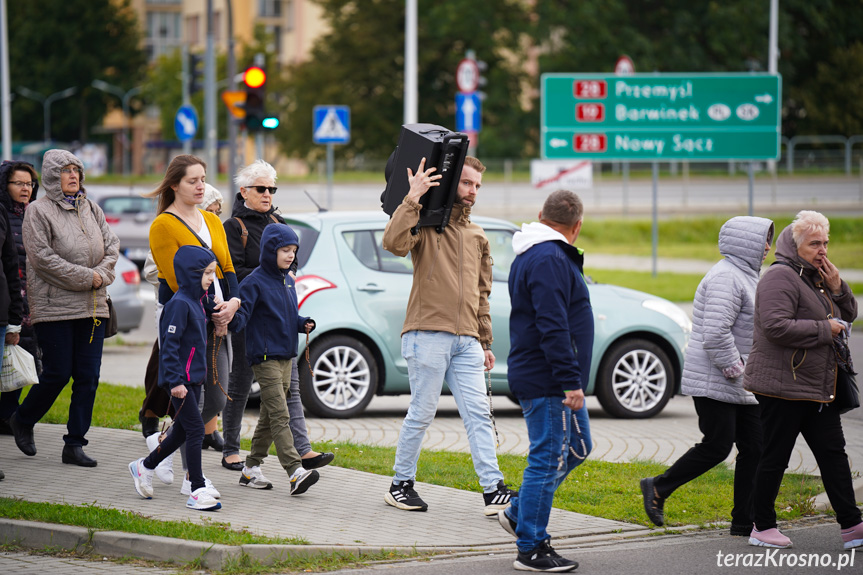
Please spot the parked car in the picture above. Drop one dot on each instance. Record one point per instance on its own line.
(128, 304)
(130, 217)
(357, 293)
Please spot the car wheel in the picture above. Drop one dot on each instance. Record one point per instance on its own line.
(635, 379)
(346, 376)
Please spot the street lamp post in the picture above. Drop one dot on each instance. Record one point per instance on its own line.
(125, 97)
(46, 105)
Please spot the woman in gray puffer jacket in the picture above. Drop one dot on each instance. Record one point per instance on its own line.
(721, 339)
(71, 253)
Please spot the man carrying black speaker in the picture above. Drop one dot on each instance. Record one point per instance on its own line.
(447, 332)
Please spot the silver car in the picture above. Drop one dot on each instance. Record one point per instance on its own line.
(127, 301)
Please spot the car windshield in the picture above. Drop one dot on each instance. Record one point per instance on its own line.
(367, 245)
(308, 237)
(117, 205)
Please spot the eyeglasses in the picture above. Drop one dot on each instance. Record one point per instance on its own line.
(24, 184)
(262, 189)
(70, 170)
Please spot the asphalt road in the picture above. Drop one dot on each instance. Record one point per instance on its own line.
(699, 553)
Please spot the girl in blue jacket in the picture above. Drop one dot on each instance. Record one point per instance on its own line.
(182, 370)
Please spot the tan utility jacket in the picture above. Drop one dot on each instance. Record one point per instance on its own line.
(452, 273)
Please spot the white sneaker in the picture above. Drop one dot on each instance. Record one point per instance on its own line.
(302, 479)
(202, 500)
(165, 470)
(208, 485)
(254, 478)
(142, 477)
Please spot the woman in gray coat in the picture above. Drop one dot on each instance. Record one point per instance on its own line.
(71, 253)
(722, 327)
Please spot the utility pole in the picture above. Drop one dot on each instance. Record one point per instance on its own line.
(46, 105)
(411, 93)
(5, 95)
(232, 122)
(210, 97)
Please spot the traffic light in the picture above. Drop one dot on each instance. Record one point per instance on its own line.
(255, 80)
(196, 73)
(270, 123)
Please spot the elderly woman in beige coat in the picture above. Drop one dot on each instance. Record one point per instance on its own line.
(801, 304)
(71, 253)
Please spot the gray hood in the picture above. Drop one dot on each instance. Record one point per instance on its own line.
(52, 162)
(742, 240)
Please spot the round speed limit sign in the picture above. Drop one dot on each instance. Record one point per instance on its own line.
(467, 76)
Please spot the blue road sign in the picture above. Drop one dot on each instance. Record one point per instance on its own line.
(186, 123)
(468, 112)
(332, 125)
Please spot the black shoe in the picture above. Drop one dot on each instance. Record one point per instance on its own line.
(507, 522)
(543, 558)
(213, 440)
(318, 460)
(5, 428)
(404, 497)
(498, 499)
(2, 476)
(149, 425)
(653, 503)
(236, 466)
(741, 529)
(74, 455)
(23, 436)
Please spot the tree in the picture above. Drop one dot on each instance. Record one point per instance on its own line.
(360, 63)
(57, 44)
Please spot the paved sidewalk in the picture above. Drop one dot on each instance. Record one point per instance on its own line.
(345, 508)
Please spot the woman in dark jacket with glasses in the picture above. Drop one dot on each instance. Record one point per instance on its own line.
(18, 187)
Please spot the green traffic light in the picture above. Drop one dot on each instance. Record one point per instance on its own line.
(270, 123)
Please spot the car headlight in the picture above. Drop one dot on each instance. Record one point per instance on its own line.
(671, 311)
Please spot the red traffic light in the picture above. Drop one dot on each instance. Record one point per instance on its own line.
(254, 77)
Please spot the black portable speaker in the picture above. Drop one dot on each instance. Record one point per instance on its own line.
(443, 149)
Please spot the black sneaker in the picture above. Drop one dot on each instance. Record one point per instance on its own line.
(404, 497)
(498, 499)
(543, 558)
(507, 522)
(741, 529)
(653, 503)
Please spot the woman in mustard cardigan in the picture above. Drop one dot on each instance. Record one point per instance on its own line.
(180, 222)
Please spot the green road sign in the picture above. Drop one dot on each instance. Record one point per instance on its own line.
(647, 117)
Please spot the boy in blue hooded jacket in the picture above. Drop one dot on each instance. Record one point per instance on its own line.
(182, 370)
(270, 315)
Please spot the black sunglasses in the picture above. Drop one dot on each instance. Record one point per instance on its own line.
(262, 189)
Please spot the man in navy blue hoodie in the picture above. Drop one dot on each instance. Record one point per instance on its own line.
(270, 315)
(551, 342)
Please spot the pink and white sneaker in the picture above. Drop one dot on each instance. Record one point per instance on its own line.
(769, 538)
(853, 537)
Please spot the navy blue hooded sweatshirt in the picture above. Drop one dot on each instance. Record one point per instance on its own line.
(551, 322)
(183, 325)
(269, 311)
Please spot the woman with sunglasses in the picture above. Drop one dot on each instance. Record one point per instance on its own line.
(253, 211)
(18, 187)
(71, 253)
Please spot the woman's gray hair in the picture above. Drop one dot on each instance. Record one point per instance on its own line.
(807, 222)
(254, 171)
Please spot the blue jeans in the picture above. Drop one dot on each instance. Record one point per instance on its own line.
(433, 356)
(559, 442)
(67, 352)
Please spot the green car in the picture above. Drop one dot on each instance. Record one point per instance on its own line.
(357, 293)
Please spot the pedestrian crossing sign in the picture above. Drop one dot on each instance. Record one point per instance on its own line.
(332, 125)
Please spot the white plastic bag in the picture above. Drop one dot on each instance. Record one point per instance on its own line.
(19, 369)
